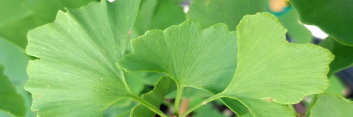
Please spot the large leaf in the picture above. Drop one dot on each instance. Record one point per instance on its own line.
(343, 54)
(19, 16)
(328, 105)
(333, 16)
(210, 12)
(268, 66)
(10, 100)
(75, 74)
(158, 14)
(189, 54)
(155, 97)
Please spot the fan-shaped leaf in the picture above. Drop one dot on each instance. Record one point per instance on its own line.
(269, 68)
(75, 74)
(328, 105)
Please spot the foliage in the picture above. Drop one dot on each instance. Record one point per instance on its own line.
(142, 58)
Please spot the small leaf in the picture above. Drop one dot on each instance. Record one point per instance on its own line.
(328, 105)
(250, 108)
(75, 74)
(159, 14)
(155, 97)
(10, 101)
(208, 111)
(296, 30)
(187, 53)
(336, 86)
(343, 54)
(269, 68)
(332, 16)
(230, 12)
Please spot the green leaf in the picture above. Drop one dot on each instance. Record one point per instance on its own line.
(336, 86)
(155, 97)
(15, 61)
(296, 30)
(271, 69)
(343, 54)
(208, 111)
(10, 100)
(250, 108)
(210, 12)
(159, 14)
(328, 105)
(75, 74)
(19, 16)
(120, 109)
(332, 16)
(182, 52)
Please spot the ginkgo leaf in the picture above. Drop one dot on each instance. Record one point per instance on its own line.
(296, 30)
(158, 14)
(182, 52)
(250, 108)
(269, 68)
(328, 105)
(15, 60)
(343, 54)
(10, 100)
(332, 16)
(163, 87)
(336, 85)
(208, 111)
(210, 12)
(19, 16)
(75, 74)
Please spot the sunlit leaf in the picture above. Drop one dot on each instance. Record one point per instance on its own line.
(182, 52)
(75, 74)
(268, 66)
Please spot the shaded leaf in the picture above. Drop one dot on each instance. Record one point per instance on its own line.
(332, 16)
(10, 100)
(336, 86)
(75, 74)
(296, 30)
(15, 61)
(208, 111)
(250, 108)
(19, 16)
(327, 105)
(159, 14)
(343, 54)
(155, 97)
(230, 12)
